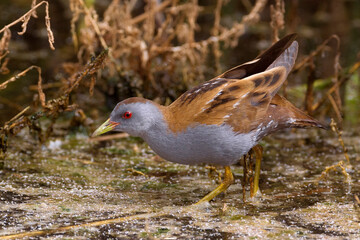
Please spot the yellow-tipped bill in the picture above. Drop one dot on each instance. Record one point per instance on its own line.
(107, 126)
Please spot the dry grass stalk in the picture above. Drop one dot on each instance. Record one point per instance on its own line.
(309, 96)
(336, 86)
(340, 165)
(335, 129)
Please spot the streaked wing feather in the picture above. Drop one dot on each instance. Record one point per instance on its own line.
(185, 109)
(251, 109)
(234, 102)
(287, 58)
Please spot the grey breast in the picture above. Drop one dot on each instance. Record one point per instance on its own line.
(210, 144)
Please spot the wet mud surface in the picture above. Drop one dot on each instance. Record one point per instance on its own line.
(58, 189)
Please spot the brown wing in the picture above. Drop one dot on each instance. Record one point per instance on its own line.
(236, 102)
(251, 109)
(184, 110)
(240, 96)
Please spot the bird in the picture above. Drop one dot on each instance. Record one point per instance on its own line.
(220, 120)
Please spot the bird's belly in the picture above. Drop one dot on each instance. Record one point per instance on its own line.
(210, 144)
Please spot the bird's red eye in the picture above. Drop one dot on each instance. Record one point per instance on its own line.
(127, 115)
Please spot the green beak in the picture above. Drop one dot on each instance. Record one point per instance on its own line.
(107, 126)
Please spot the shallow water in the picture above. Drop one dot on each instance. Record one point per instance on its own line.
(74, 181)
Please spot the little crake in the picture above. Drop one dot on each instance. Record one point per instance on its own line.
(220, 120)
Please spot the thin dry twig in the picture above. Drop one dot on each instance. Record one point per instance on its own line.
(309, 96)
(26, 17)
(277, 19)
(145, 15)
(17, 76)
(215, 32)
(254, 16)
(329, 92)
(18, 115)
(317, 51)
(337, 105)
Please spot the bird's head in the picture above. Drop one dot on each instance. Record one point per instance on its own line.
(133, 115)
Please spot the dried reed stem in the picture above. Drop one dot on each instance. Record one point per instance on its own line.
(277, 19)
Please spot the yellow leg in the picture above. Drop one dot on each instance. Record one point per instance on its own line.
(228, 180)
(258, 153)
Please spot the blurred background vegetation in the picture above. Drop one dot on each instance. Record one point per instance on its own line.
(159, 49)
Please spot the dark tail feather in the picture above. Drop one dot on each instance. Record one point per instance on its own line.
(302, 120)
(306, 123)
